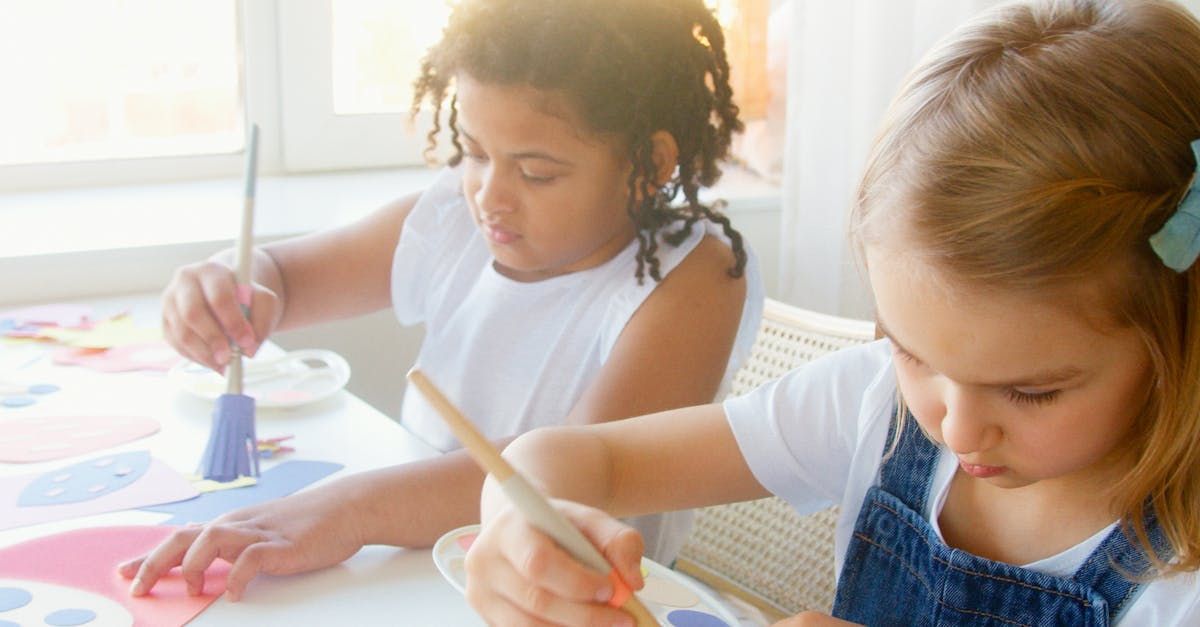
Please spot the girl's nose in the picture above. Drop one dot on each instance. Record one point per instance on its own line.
(966, 427)
(493, 196)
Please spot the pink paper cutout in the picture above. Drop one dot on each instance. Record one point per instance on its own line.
(157, 356)
(87, 559)
(159, 485)
(63, 315)
(40, 439)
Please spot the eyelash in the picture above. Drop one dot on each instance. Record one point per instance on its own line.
(1014, 395)
(536, 180)
(1027, 398)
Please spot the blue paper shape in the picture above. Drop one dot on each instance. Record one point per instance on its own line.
(43, 388)
(276, 482)
(86, 480)
(12, 598)
(70, 617)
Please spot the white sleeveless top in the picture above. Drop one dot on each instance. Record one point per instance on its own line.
(518, 355)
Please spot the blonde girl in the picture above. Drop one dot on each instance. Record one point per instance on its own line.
(1023, 448)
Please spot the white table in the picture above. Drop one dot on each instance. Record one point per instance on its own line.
(377, 586)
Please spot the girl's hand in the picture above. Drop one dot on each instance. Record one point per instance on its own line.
(201, 314)
(813, 619)
(298, 533)
(516, 575)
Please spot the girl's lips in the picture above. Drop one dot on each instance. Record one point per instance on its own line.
(979, 471)
(499, 235)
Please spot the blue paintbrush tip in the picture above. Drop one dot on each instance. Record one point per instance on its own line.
(232, 449)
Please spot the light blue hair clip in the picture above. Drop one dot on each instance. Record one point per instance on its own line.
(1177, 243)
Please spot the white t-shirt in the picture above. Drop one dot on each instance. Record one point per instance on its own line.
(815, 438)
(519, 355)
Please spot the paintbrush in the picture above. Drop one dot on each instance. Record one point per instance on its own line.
(232, 451)
(536, 509)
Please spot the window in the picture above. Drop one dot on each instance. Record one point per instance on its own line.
(136, 91)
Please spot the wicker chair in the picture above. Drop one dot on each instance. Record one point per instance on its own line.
(762, 551)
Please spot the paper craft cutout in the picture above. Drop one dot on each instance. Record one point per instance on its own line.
(203, 485)
(63, 315)
(157, 356)
(48, 604)
(270, 447)
(117, 331)
(273, 483)
(20, 395)
(42, 439)
(156, 484)
(85, 481)
(76, 570)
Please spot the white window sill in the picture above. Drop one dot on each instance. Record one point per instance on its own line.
(108, 240)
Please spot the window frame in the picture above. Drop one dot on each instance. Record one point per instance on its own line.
(285, 89)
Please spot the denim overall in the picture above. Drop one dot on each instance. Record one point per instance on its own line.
(898, 572)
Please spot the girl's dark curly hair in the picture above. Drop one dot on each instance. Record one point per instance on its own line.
(632, 67)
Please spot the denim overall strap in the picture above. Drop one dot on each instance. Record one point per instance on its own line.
(898, 571)
(1118, 556)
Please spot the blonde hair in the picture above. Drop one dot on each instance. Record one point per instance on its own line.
(1037, 149)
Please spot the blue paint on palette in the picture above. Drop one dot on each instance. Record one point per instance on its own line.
(86, 480)
(692, 618)
(8, 623)
(69, 617)
(12, 598)
(279, 481)
(17, 401)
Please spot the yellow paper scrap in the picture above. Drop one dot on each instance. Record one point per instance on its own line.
(118, 331)
(209, 485)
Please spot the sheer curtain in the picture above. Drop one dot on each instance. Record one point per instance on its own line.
(846, 59)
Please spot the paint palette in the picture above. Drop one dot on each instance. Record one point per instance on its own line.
(674, 600)
(293, 379)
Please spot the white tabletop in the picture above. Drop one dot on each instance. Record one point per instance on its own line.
(378, 586)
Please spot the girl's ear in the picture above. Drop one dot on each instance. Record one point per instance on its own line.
(665, 155)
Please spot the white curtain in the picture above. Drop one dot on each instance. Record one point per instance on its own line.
(846, 59)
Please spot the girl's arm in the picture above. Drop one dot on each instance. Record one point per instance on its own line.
(675, 348)
(333, 274)
(672, 460)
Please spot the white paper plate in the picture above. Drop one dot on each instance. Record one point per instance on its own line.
(290, 380)
(666, 591)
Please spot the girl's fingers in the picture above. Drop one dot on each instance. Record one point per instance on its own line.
(509, 592)
(220, 295)
(193, 347)
(192, 316)
(255, 559)
(264, 305)
(161, 560)
(620, 544)
(536, 558)
(215, 541)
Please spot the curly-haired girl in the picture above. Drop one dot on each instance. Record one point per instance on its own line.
(558, 279)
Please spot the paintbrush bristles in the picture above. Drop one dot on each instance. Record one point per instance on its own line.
(478, 446)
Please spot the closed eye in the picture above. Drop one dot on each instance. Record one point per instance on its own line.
(1031, 398)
